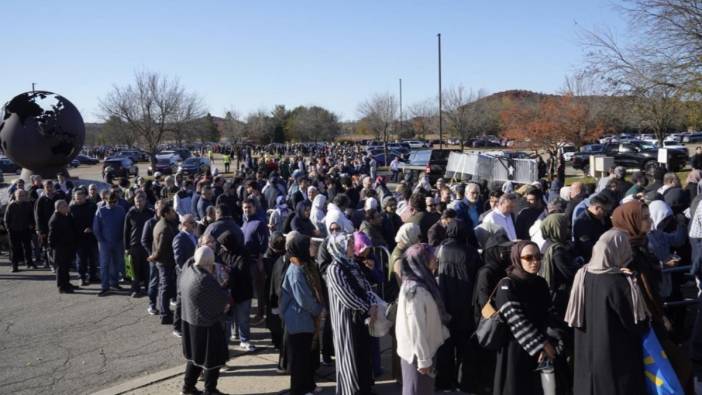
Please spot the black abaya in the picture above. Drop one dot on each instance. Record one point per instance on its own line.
(608, 349)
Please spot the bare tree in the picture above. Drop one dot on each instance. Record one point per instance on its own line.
(152, 106)
(462, 117)
(234, 128)
(380, 113)
(423, 117)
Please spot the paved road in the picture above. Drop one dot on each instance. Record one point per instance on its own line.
(73, 344)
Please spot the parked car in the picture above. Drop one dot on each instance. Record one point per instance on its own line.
(195, 165)
(632, 155)
(418, 144)
(8, 166)
(695, 137)
(87, 160)
(119, 167)
(75, 162)
(431, 161)
(485, 143)
(179, 154)
(567, 150)
(166, 164)
(135, 155)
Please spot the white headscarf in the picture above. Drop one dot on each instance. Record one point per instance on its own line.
(408, 234)
(659, 211)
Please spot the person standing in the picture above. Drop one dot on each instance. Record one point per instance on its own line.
(349, 304)
(184, 244)
(255, 244)
(300, 306)
(147, 241)
(108, 226)
(523, 301)
(62, 239)
(83, 213)
(204, 304)
(133, 228)
(19, 221)
(395, 169)
(590, 225)
(43, 210)
(162, 254)
(421, 320)
(606, 308)
(501, 215)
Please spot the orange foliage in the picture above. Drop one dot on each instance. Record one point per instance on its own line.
(549, 122)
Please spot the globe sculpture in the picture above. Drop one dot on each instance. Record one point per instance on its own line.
(42, 132)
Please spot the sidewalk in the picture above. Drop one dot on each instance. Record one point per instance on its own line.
(250, 373)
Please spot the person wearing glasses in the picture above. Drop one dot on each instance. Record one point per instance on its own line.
(522, 299)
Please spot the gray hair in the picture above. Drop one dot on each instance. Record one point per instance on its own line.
(204, 257)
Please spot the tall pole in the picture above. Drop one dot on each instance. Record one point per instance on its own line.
(441, 125)
(33, 84)
(400, 107)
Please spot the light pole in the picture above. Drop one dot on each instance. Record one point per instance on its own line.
(400, 133)
(441, 125)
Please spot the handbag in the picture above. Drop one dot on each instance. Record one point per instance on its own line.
(492, 332)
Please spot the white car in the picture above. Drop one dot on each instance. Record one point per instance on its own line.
(414, 144)
(567, 150)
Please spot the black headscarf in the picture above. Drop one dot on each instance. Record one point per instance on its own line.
(301, 223)
(297, 245)
(456, 230)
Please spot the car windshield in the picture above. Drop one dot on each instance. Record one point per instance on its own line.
(191, 161)
(420, 157)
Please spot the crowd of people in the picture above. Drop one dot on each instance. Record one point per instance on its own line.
(337, 260)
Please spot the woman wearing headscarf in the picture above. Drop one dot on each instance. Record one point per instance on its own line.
(406, 236)
(523, 301)
(458, 264)
(275, 252)
(203, 304)
(634, 219)
(372, 226)
(301, 222)
(606, 308)
(350, 303)
(278, 215)
(661, 242)
(319, 206)
(300, 308)
(558, 265)
(362, 249)
(422, 320)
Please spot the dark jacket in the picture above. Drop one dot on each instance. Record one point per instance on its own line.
(424, 220)
(255, 237)
(63, 238)
(83, 215)
(162, 250)
(183, 248)
(19, 216)
(147, 235)
(134, 226)
(240, 282)
(458, 265)
(586, 231)
(193, 206)
(222, 225)
(43, 209)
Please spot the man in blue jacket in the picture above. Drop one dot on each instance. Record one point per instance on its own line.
(108, 226)
(184, 244)
(255, 243)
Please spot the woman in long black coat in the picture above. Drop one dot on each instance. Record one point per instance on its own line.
(605, 308)
(523, 301)
(458, 264)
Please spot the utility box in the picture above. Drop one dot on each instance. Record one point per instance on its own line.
(600, 164)
(663, 155)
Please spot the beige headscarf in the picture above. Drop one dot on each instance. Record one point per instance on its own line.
(408, 234)
(611, 252)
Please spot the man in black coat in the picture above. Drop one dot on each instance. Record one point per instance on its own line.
(590, 225)
(83, 212)
(19, 222)
(62, 239)
(134, 223)
(43, 210)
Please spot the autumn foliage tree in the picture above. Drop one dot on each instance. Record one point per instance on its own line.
(551, 121)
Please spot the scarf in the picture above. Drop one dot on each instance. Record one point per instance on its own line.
(659, 211)
(556, 231)
(611, 252)
(408, 234)
(415, 273)
(516, 268)
(627, 217)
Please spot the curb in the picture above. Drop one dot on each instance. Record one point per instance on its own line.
(143, 381)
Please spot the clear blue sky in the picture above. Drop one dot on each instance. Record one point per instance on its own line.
(251, 55)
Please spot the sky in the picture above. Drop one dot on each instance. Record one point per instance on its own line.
(251, 55)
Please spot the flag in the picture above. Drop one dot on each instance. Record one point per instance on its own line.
(660, 376)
